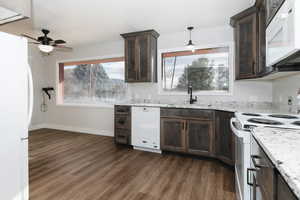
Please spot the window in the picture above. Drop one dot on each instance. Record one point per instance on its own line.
(91, 82)
(207, 70)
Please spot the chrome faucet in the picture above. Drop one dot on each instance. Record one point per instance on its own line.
(190, 91)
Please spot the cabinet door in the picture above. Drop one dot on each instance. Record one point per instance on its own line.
(199, 137)
(261, 66)
(172, 135)
(144, 58)
(224, 137)
(246, 47)
(131, 64)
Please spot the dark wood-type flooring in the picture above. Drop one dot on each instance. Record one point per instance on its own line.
(73, 166)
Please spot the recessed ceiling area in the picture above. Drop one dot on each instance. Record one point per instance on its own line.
(82, 22)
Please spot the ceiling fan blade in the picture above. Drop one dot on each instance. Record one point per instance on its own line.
(60, 42)
(34, 43)
(27, 36)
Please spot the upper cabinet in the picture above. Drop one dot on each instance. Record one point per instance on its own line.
(249, 35)
(141, 56)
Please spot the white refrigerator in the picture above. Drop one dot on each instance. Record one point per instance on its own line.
(16, 103)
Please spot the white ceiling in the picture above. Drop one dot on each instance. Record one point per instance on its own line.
(87, 21)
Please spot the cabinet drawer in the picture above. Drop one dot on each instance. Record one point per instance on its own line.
(122, 109)
(122, 121)
(187, 113)
(122, 136)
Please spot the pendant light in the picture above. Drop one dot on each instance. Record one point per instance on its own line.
(190, 44)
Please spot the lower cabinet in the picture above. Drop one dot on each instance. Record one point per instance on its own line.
(122, 130)
(187, 136)
(199, 137)
(267, 182)
(173, 134)
(224, 137)
(198, 132)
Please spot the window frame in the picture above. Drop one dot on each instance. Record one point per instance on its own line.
(59, 86)
(231, 65)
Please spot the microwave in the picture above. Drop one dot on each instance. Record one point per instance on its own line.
(283, 37)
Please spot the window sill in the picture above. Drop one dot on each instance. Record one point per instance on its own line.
(86, 105)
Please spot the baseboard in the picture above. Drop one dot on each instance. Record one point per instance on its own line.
(79, 129)
(36, 127)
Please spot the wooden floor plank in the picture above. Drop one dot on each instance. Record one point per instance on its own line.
(72, 166)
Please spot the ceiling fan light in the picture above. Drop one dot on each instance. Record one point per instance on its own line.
(46, 48)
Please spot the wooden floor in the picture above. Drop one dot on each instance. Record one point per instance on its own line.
(72, 166)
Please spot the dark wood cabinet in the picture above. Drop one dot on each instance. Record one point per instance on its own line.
(198, 132)
(272, 6)
(249, 35)
(224, 137)
(173, 136)
(131, 70)
(199, 137)
(283, 190)
(141, 56)
(190, 131)
(246, 46)
(122, 131)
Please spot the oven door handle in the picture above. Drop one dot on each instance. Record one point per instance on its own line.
(236, 131)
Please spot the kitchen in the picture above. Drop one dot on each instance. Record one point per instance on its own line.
(206, 108)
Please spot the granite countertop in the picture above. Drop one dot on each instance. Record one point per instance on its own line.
(206, 107)
(283, 148)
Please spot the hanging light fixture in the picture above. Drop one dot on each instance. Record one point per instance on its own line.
(190, 44)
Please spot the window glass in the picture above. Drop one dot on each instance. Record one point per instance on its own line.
(95, 82)
(204, 69)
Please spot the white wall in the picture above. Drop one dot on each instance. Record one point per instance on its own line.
(100, 120)
(38, 65)
(285, 88)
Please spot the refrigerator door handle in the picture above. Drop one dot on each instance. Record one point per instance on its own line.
(30, 100)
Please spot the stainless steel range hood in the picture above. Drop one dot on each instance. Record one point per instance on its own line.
(14, 10)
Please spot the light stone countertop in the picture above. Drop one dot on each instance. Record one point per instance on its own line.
(207, 107)
(283, 148)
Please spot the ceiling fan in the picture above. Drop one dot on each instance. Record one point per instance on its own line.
(47, 44)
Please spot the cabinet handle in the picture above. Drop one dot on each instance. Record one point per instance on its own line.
(183, 127)
(248, 172)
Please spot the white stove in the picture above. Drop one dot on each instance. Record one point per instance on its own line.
(248, 120)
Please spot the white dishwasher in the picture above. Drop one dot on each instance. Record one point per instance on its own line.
(145, 124)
